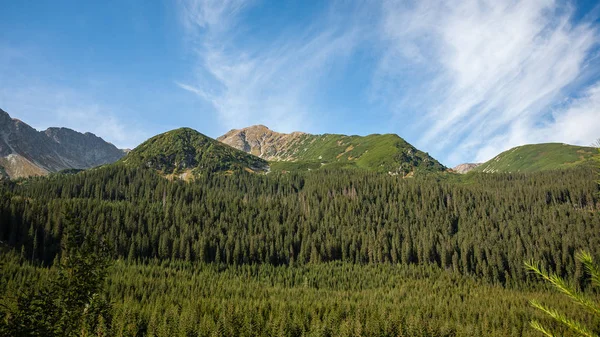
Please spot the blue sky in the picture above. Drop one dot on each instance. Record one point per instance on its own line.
(462, 80)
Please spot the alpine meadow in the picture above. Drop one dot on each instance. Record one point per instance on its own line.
(263, 168)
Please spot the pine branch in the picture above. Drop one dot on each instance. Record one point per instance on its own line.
(563, 287)
(571, 324)
(586, 259)
(539, 327)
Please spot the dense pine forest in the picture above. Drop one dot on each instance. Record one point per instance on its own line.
(322, 253)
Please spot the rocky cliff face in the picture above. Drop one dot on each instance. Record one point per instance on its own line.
(263, 142)
(464, 168)
(25, 151)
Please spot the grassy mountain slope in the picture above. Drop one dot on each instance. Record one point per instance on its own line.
(538, 157)
(388, 153)
(185, 150)
(301, 151)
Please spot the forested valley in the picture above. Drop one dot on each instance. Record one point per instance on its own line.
(321, 253)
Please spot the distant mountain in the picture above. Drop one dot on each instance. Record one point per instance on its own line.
(185, 152)
(24, 151)
(538, 157)
(464, 168)
(302, 151)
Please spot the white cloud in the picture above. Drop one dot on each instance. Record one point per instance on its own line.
(577, 122)
(466, 78)
(471, 77)
(489, 71)
(272, 83)
(210, 14)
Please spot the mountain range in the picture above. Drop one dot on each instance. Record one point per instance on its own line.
(184, 153)
(24, 151)
(298, 150)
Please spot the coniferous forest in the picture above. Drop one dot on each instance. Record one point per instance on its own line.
(321, 253)
(333, 168)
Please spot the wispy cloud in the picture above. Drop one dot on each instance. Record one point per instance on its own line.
(488, 72)
(466, 79)
(575, 122)
(460, 79)
(271, 82)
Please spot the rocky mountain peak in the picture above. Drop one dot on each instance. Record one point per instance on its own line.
(258, 127)
(4, 114)
(24, 151)
(464, 168)
(260, 141)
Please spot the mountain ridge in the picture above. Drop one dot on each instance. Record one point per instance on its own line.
(25, 151)
(299, 150)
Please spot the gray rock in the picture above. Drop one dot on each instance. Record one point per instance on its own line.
(24, 151)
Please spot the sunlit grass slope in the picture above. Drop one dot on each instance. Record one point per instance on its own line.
(538, 157)
(384, 153)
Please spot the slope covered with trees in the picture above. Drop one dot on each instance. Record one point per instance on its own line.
(328, 252)
(483, 228)
(185, 150)
(178, 298)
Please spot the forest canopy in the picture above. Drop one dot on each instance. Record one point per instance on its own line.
(347, 235)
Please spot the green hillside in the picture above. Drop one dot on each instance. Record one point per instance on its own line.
(538, 157)
(383, 153)
(185, 150)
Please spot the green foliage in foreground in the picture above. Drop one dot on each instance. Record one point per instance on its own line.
(538, 157)
(584, 300)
